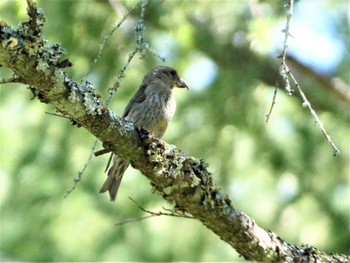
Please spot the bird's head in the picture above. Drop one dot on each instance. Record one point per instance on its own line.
(167, 75)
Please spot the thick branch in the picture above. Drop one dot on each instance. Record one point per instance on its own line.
(178, 178)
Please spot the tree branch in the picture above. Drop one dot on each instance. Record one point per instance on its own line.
(178, 178)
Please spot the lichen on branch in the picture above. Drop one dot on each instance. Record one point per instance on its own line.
(180, 179)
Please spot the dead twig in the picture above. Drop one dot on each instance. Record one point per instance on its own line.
(286, 74)
(152, 214)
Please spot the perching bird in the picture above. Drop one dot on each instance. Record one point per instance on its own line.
(151, 108)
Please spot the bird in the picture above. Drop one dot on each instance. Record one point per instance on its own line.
(151, 108)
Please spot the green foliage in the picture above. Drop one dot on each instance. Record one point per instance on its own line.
(281, 173)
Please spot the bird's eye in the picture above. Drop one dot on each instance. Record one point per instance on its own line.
(173, 72)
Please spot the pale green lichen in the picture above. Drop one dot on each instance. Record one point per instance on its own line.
(43, 68)
(169, 189)
(91, 104)
(75, 95)
(159, 170)
(117, 122)
(195, 181)
(128, 127)
(175, 170)
(155, 157)
(169, 148)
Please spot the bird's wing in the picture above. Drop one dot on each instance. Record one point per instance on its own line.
(138, 98)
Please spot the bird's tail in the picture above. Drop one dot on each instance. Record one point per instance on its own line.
(114, 177)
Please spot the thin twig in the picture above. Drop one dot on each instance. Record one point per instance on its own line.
(101, 152)
(104, 40)
(172, 213)
(286, 74)
(141, 46)
(152, 214)
(57, 115)
(133, 220)
(120, 76)
(272, 104)
(284, 68)
(80, 173)
(101, 47)
(139, 29)
(307, 104)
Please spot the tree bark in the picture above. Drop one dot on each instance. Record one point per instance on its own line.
(180, 179)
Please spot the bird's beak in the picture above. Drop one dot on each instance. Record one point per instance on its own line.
(180, 83)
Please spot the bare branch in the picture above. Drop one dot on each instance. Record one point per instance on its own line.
(107, 36)
(141, 46)
(272, 104)
(284, 68)
(101, 152)
(152, 214)
(307, 104)
(81, 172)
(286, 74)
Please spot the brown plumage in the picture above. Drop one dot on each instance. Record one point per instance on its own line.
(151, 108)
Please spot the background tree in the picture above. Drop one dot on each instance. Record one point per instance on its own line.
(282, 174)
